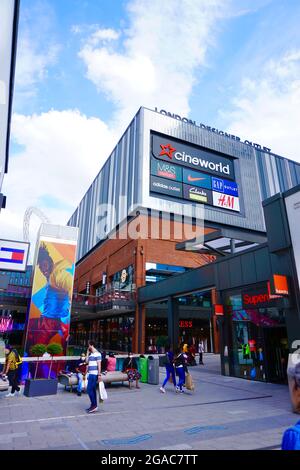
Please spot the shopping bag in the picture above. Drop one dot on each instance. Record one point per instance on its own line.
(189, 384)
(102, 391)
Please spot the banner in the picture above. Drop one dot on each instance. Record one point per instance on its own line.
(13, 255)
(50, 307)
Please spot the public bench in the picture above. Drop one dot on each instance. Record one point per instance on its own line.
(70, 379)
(4, 384)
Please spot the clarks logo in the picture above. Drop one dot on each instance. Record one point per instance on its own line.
(167, 150)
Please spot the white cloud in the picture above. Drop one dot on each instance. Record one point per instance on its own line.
(159, 55)
(32, 64)
(267, 109)
(62, 153)
(103, 35)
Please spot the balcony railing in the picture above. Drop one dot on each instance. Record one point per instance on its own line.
(111, 299)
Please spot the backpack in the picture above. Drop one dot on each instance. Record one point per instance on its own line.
(18, 358)
(291, 438)
(166, 360)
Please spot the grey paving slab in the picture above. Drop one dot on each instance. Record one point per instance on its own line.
(223, 412)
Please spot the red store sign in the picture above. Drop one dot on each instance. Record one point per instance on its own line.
(185, 324)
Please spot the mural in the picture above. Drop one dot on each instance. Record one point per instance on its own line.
(50, 307)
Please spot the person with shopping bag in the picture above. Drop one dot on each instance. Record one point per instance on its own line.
(181, 368)
(94, 371)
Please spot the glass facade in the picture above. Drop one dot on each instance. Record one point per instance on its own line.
(13, 306)
(257, 340)
(194, 322)
(113, 333)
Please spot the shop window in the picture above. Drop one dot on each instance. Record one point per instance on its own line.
(258, 349)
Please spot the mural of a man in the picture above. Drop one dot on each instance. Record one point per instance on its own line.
(55, 316)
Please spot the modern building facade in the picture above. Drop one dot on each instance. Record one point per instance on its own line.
(257, 297)
(9, 15)
(168, 181)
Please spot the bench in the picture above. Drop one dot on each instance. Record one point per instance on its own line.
(72, 381)
(4, 384)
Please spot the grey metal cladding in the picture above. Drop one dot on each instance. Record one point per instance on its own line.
(126, 173)
(117, 178)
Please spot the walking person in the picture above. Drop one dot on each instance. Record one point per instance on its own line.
(11, 366)
(170, 370)
(201, 351)
(181, 368)
(94, 371)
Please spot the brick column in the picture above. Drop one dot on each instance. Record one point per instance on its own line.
(140, 313)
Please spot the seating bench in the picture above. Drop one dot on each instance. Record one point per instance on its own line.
(4, 384)
(72, 381)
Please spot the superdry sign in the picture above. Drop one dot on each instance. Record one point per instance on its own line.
(167, 149)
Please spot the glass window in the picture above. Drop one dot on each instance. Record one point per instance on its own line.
(258, 348)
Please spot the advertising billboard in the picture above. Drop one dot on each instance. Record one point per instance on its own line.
(292, 204)
(199, 175)
(191, 156)
(52, 290)
(8, 33)
(13, 255)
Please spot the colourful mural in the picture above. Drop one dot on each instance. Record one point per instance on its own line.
(50, 307)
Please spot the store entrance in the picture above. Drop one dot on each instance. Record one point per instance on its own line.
(276, 348)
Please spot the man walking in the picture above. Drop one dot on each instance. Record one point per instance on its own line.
(94, 371)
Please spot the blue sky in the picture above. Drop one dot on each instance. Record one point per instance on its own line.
(85, 66)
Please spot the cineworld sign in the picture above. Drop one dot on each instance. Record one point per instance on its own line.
(174, 172)
(167, 149)
(212, 129)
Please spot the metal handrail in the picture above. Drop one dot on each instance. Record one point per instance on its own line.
(69, 358)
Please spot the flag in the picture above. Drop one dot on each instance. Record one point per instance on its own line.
(11, 255)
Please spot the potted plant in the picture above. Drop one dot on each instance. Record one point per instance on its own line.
(35, 387)
(54, 349)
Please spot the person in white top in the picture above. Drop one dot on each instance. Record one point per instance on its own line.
(201, 351)
(94, 371)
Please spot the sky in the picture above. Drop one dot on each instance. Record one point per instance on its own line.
(84, 67)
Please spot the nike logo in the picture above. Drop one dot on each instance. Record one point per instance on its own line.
(190, 178)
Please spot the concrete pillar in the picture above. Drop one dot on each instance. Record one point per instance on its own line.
(173, 322)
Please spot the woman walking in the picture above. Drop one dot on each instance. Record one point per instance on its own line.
(181, 368)
(170, 370)
(10, 369)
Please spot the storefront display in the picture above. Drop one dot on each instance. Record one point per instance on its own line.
(258, 347)
(114, 333)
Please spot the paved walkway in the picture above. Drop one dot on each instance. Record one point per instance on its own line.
(222, 413)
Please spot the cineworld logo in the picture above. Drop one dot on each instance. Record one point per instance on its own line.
(168, 150)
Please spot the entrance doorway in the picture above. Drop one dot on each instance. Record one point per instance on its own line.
(277, 352)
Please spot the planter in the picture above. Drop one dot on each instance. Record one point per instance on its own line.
(40, 387)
